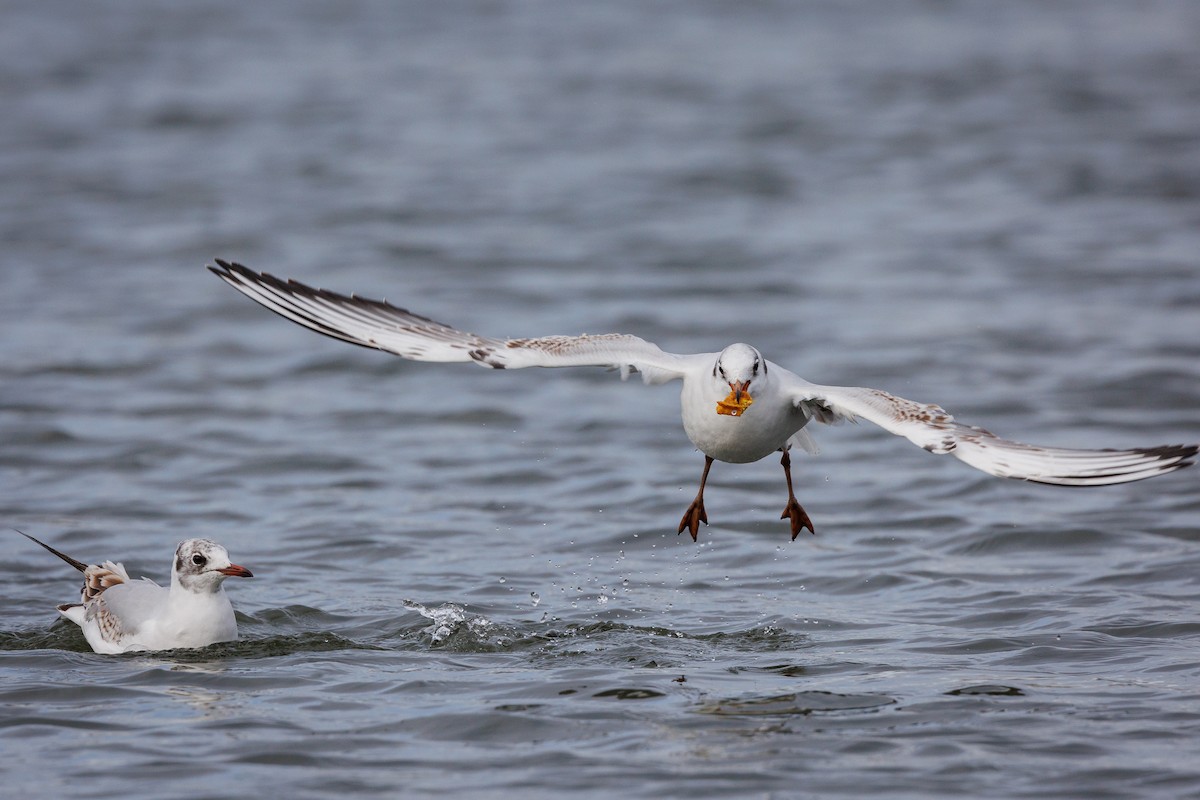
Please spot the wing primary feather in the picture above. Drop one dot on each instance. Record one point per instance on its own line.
(79, 565)
(284, 298)
(376, 324)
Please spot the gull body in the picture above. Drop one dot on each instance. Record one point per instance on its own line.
(761, 429)
(736, 406)
(119, 615)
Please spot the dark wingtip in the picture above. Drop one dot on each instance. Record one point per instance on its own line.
(79, 565)
(1178, 455)
(225, 269)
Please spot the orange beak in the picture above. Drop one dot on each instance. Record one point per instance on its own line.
(233, 570)
(739, 389)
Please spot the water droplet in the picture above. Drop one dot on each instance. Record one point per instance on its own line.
(537, 598)
(503, 580)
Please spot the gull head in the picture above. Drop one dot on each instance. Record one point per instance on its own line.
(737, 367)
(202, 565)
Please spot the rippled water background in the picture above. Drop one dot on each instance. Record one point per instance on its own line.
(468, 582)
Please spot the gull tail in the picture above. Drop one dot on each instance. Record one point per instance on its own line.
(79, 565)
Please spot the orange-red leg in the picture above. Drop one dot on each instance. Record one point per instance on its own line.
(695, 512)
(794, 510)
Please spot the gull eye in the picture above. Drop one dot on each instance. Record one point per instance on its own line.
(199, 560)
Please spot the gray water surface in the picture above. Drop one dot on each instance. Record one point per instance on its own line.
(468, 582)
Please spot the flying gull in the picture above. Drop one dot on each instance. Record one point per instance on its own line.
(737, 406)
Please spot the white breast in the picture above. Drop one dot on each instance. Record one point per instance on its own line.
(761, 429)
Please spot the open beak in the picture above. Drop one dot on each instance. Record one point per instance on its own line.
(740, 389)
(234, 571)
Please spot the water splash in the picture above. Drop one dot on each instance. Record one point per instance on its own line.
(449, 619)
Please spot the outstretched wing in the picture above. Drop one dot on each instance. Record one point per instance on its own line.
(935, 430)
(380, 325)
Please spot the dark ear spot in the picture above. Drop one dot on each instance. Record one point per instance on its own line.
(178, 563)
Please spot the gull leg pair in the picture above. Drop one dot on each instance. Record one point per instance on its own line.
(793, 511)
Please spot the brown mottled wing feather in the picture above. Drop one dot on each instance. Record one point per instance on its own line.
(932, 428)
(108, 623)
(97, 578)
(383, 326)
